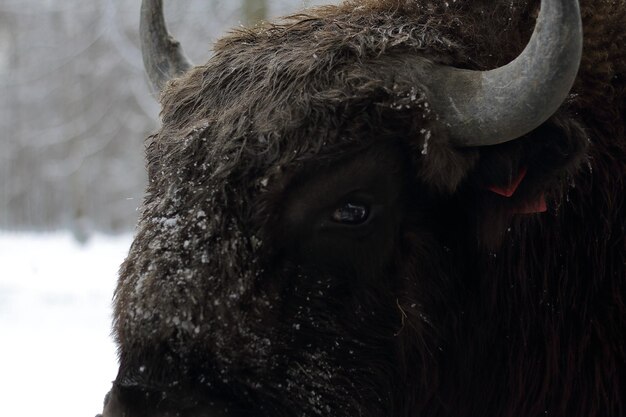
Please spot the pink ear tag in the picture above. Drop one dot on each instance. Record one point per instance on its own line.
(509, 190)
(537, 206)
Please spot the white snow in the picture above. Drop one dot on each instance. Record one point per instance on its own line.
(57, 357)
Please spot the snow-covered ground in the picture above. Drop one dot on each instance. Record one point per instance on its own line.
(57, 357)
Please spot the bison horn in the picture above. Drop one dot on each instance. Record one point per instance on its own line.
(490, 107)
(163, 56)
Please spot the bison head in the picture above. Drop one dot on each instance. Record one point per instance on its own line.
(318, 194)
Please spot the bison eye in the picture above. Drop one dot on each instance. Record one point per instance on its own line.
(351, 214)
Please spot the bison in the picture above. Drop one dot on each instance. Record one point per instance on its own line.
(383, 208)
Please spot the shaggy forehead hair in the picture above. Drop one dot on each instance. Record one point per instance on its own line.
(281, 93)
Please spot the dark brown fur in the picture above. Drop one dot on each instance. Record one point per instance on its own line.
(480, 312)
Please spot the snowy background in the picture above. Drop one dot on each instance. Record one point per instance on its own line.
(56, 356)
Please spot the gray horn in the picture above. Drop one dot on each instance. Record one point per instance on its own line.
(490, 107)
(163, 56)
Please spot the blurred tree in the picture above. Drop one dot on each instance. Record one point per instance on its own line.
(254, 11)
(75, 107)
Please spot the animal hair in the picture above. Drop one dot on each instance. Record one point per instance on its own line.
(484, 313)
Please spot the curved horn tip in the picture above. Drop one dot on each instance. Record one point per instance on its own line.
(163, 56)
(490, 107)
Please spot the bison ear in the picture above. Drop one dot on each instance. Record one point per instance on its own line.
(526, 177)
